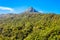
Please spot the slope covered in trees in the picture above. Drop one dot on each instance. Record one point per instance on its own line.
(30, 26)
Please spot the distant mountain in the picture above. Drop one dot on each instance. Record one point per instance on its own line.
(31, 9)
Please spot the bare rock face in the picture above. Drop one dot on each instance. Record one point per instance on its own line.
(31, 9)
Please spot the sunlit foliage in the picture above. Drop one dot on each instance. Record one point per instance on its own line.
(30, 26)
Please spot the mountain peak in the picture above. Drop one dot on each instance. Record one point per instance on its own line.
(31, 9)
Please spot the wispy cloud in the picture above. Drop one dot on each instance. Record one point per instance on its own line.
(41, 11)
(6, 8)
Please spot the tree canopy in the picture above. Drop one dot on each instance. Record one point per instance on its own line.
(30, 26)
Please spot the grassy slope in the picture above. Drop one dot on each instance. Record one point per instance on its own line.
(30, 27)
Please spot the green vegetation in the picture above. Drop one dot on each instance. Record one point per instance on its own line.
(30, 26)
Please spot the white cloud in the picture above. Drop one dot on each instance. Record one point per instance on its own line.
(41, 11)
(6, 8)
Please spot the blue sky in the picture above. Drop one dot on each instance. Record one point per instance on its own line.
(18, 6)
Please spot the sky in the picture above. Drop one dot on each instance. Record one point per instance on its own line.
(18, 6)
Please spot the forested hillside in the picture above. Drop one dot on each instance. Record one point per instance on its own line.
(30, 26)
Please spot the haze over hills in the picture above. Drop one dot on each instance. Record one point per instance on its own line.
(29, 10)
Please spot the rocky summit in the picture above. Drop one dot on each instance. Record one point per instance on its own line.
(31, 9)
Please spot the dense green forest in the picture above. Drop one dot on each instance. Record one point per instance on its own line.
(30, 26)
